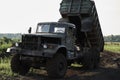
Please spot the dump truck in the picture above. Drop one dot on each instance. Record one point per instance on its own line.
(76, 38)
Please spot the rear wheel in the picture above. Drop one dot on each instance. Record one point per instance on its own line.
(57, 66)
(19, 66)
(91, 58)
(97, 57)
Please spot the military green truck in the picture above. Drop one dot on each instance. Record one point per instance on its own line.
(75, 38)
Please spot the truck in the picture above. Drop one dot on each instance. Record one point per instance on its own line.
(76, 38)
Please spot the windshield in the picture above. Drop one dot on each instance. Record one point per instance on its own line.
(46, 28)
(43, 28)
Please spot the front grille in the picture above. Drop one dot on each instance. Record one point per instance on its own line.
(30, 42)
(50, 40)
(34, 42)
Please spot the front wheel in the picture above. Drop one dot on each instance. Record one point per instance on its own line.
(57, 66)
(19, 66)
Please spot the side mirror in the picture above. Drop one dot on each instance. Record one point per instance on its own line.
(29, 30)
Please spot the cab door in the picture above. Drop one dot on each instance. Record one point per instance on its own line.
(70, 39)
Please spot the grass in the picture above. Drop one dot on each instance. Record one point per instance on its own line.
(5, 67)
(113, 47)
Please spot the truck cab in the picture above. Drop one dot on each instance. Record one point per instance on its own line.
(48, 39)
(52, 44)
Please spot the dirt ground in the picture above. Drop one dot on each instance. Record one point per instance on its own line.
(109, 69)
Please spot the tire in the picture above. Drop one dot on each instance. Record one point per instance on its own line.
(57, 66)
(91, 59)
(19, 66)
(88, 60)
(97, 57)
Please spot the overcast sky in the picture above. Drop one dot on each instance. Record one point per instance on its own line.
(16, 16)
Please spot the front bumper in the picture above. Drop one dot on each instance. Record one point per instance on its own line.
(40, 53)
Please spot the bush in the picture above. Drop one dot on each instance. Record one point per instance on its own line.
(4, 47)
(6, 43)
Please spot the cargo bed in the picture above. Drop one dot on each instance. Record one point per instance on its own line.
(78, 10)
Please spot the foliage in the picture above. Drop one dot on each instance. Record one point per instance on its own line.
(5, 43)
(4, 66)
(6, 40)
(4, 47)
(5, 62)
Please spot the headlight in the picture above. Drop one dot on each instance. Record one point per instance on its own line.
(16, 44)
(8, 50)
(50, 46)
(44, 46)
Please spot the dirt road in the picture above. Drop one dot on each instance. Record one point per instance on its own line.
(109, 69)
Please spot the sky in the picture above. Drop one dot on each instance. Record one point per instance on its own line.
(16, 16)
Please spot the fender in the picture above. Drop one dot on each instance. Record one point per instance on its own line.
(61, 49)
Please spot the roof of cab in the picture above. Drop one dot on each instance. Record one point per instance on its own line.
(59, 23)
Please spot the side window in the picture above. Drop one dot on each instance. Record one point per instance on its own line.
(59, 30)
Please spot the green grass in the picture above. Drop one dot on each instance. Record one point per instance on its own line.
(113, 47)
(5, 69)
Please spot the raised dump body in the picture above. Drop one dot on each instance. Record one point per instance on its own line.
(84, 15)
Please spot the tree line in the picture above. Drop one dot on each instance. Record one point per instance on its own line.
(10, 35)
(112, 38)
